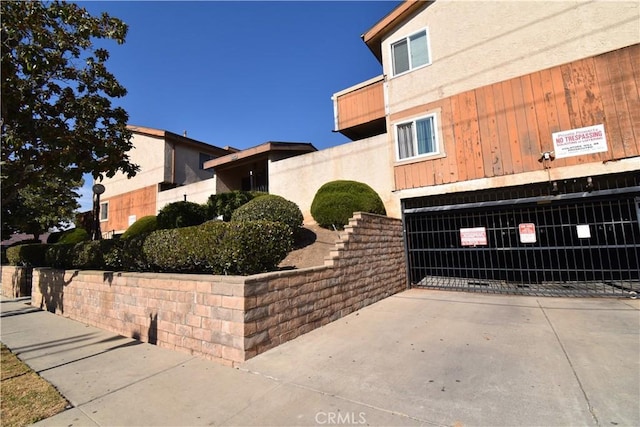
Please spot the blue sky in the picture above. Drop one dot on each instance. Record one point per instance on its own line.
(240, 73)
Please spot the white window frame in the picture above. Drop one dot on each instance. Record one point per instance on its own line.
(104, 217)
(411, 67)
(437, 152)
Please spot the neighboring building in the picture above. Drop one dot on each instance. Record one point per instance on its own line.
(513, 133)
(175, 168)
(168, 162)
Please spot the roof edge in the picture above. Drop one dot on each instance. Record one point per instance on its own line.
(373, 37)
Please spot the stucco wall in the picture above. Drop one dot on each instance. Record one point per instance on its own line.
(232, 318)
(149, 153)
(476, 43)
(198, 192)
(367, 160)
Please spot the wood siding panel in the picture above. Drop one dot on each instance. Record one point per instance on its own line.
(140, 203)
(461, 153)
(512, 127)
(503, 128)
(625, 94)
(361, 106)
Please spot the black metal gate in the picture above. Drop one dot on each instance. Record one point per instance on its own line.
(581, 243)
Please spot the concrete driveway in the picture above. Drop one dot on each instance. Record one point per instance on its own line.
(417, 358)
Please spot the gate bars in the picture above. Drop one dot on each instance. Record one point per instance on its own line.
(579, 244)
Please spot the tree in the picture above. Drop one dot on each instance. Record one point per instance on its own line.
(58, 121)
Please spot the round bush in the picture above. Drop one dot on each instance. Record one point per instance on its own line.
(224, 204)
(75, 235)
(336, 201)
(181, 214)
(144, 225)
(270, 207)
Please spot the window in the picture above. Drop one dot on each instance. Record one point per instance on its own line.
(104, 211)
(204, 158)
(410, 53)
(417, 138)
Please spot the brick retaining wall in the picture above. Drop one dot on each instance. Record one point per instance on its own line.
(16, 281)
(233, 318)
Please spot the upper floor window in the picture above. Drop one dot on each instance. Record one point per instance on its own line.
(204, 158)
(104, 211)
(410, 53)
(417, 138)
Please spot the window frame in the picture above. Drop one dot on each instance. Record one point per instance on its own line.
(103, 217)
(407, 40)
(438, 143)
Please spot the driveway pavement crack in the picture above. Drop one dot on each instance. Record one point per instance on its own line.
(566, 355)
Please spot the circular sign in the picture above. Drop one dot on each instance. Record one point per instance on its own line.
(98, 188)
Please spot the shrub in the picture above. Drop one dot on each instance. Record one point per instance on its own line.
(336, 201)
(270, 207)
(59, 255)
(224, 204)
(219, 247)
(31, 255)
(181, 214)
(127, 255)
(54, 237)
(144, 225)
(75, 235)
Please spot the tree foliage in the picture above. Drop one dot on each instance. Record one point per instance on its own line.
(58, 121)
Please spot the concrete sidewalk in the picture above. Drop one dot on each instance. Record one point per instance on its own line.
(417, 358)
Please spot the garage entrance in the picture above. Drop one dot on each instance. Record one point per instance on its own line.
(566, 242)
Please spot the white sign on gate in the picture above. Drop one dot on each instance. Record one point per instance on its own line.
(527, 232)
(473, 236)
(577, 142)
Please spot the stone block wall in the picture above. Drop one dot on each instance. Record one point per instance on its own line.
(230, 319)
(16, 281)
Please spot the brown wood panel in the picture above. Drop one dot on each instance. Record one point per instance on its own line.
(612, 128)
(398, 173)
(461, 154)
(503, 130)
(626, 97)
(485, 132)
(450, 170)
(633, 91)
(361, 106)
(473, 133)
(512, 126)
(531, 137)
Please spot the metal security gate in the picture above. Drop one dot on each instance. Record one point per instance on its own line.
(582, 243)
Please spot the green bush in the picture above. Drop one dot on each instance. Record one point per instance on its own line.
(127, 255)
(270, 207)
(224, 204)
(54, 237)
(31, 255)
(144, 225)
(219, 247)
(336, 201)
(181, 214)
(75, 235)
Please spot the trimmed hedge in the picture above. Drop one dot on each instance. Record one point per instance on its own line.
(75, 235)
(270, 207)
(144, 225)
(181, 214)
(30, 255)
(224, 204)
(242, 248)
(216, 247)
(336, 201)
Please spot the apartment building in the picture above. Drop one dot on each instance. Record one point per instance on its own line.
(513, 136)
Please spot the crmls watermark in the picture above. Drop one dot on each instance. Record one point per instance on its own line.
(341, 418)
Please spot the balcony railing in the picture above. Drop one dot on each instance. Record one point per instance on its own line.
(359, 111)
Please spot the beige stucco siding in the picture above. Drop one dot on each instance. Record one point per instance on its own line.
(197, 192)
(149, 153)
(367, 160)
(476, 43)
(188, 166)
